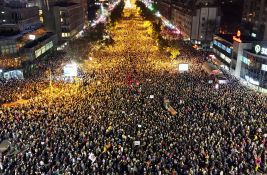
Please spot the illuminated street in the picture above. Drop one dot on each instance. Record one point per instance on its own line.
(136, 114)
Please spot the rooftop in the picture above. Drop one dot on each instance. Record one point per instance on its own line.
(39, 40)
(34, 28)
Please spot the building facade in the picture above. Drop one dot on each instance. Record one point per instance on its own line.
(243, 56)
(182, 18)
(254, 64)
(197, 25)
(69, 20)
(40, 47)
(197, 20)
(64, 19)
(9, 45)
(18, 17)
(165, 8)
(222, 47)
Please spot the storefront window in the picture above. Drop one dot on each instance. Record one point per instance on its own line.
(38, 53)
(43, 49)
(245, 60)
(253, 70)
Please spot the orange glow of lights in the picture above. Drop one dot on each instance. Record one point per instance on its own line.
(237, 37)
(195, 46)
(238, 34)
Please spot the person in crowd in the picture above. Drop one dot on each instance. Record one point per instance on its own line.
(111, 125)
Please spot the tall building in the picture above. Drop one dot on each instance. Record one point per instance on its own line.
(197, 24)
(15, 16)
(69, 20)
(16, 20)
(197, 20)
(22, 37)
(243, 56)
(254, 18)
(64, 19)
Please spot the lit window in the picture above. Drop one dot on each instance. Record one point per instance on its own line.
(61, 20)
(49, 45)
(264, 67)
(227, 59)
(4, 20)
(64, 35)
(41, 19)
(43, 49)
(2, 12)
(38, 53)
(222, 55)
(40, 12)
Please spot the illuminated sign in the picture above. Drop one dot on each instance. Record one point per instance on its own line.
(245, 60)
(183, 67)
(264, 51)
(260, 50)
(222, 46)
(238, 34)
(71, 70)
(228, 60)
(254, 35)
(257, 49)
(32, 37)
(237, 37)
(264, 67)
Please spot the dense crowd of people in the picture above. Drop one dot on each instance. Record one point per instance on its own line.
(31, 85)
(116, 124)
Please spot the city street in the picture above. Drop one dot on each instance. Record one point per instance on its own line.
(118, 123)
(133, 54)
